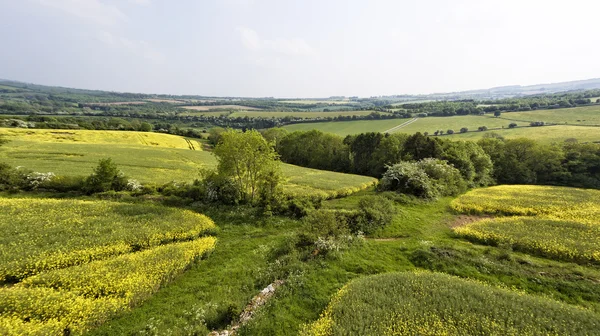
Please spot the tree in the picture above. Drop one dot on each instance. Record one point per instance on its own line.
(482, 128)
(450, 131)
(464, 130)
(274, 135)
(145, 127)
(214, 135)
(512, 125)
(106, 176)
(249, 160)
(497, 114)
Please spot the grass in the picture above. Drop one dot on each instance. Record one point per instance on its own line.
(437, 304)
(420, 237)
(313, 101)
(162, 159)
(45, 234)
(546, 134)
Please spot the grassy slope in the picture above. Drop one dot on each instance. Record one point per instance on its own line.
(162, 158)
(234, 272)
(252, 114)
(421, 237)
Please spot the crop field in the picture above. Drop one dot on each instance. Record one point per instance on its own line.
(424, 303)
(556, 239)
(219, 107)
(545, 134)
(584, 115)
(304, 115)
(562, 203)
(555, 222)
(161, 160)
(427, 124)
(204, 113)
(314, 101)
(40, 235)
(96, 137)
(75, 264)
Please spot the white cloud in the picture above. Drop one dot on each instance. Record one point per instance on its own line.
(136, 47)
(92, 11)
(291, 47)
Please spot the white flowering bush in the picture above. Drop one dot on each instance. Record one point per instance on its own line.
(35, 179)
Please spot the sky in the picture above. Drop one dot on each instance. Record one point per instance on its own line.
(303, 48)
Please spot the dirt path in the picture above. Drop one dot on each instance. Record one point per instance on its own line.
(395, 128)
(248, 313)
(462, 220)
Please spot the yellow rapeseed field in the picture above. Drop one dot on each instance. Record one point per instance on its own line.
(80, 297)
(45, 234)
(131, 138)
(528, 200)
(555, 222)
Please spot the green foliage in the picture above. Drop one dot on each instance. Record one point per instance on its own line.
(315, 149)
(428, 178)
(249, 160)
(106, 176)
(374, 213)
(214, 135)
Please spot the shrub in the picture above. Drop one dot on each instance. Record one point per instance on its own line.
(374, 212)
(450, 131)
(482, 128)
(428, 178)
(512, 125)
(464, 130)
(106, 176)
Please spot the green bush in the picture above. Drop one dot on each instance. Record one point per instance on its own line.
(428, 178)
(106, 176)
(374, 212)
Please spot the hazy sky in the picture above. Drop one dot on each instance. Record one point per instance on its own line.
(305, 48)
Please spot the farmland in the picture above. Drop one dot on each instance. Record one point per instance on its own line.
(75, 264)
(573, 123)
(219, 107)
(560, 223)
(435, 304)
(147, 157)
(275, 114)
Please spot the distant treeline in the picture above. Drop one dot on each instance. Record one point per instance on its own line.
(488, 161)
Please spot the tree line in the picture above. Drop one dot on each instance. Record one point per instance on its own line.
(491, 160)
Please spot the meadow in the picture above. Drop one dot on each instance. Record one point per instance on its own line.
(544, 134)
(147, 157)
(426, 303)
(70, 265)
(584, 115)
(303, 115)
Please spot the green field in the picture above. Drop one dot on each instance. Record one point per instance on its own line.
(427, 124)
(304, 115)
(557, 133)
(159, 160)
(313, 101)
(425, 303)
(585, 115)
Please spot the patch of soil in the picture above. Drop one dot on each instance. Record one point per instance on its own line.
(462, 220)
